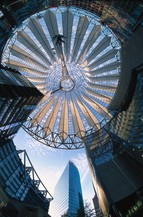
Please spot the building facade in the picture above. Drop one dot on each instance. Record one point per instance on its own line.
(18, 98)
(18, 179)
(115, 152)
(68, 194)
(20, 186)
(96, 206)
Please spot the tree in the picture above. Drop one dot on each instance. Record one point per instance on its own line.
(65, 214)
(84, 211)
(88, 209)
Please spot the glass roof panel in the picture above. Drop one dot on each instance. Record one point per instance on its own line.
(69, 56)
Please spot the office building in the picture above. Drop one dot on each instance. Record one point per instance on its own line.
(68, 194)
(86, 58)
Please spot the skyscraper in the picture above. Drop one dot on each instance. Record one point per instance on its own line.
(68, 194)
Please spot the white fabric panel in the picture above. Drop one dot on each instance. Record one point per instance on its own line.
(50, 122)
(74, 118)
(82, 27)
(102, 45)
(106, 68)
(37, 30)
(23, 67)
(101, 87)
(96, 31)
(67, 21)
(99, 108)
(35, 72)
(64, 120)
(90, 117)
(52, 26)
(24, 56)
(35, 79)
(78, 123)
(46, 97)
(105, 78)
(24, 39)
(41, 114)
(107, 56)
(40, 85)
(98, 95)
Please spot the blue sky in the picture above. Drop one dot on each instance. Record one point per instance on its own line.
(49, 163)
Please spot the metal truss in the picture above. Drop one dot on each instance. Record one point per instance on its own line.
(78, 80)
(34, 182)
(56, 140)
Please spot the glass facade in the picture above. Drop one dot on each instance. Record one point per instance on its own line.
(116, 151)
(18, 97)
(18, 179)
(68, 194)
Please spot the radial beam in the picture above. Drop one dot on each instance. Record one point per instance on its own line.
(101, 87)
(94, 34)
(77, 121)
(106, 68)
(25, 40)
(67, 21)
(22, 67)
(106, 78)
(23, 55)
(102, 45)
(90, 117)
(104, 58)
(64, 120)
(104, 98)
(37, 30)
(82, 27)
(52, 26)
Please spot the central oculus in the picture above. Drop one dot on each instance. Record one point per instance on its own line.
(67, 83)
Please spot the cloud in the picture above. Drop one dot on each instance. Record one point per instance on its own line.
(37, 148)
(51, 178)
